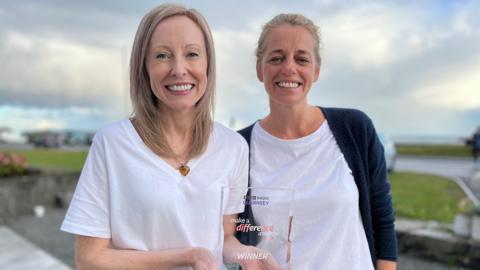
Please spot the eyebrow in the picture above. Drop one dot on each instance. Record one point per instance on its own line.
(296, 52)
(160, 46)
(193, 44)
(303, 52)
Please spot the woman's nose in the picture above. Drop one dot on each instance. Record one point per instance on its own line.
(179, 68)
(288, 67)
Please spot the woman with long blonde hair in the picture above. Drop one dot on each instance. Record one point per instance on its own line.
(150, 190)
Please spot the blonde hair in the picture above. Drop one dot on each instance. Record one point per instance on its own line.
(293, 20)
(146, 107)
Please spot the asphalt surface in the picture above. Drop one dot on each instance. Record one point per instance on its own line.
(460, 170)
(17, 253)
(44, 233)
(459, 167)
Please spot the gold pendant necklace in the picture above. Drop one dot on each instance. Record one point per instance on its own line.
(183, 169)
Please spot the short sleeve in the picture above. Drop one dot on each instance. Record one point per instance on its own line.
(88, 213)
(239, 180)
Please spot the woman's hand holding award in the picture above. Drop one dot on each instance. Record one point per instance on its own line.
(264, 229)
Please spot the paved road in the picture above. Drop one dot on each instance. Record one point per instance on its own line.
(458, 169)
(44, 233)
(17, 253)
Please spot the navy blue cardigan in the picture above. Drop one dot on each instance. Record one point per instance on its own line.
(355, 135)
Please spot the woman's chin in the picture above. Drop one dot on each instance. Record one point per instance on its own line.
(288, 101)
(180, 108)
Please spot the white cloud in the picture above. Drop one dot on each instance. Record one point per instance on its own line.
(373, 34)
(32, 119)
(466, 19)
(85, 111)
(49, 124)
(71, 118)
(456, 89)
(239, 93)
(54, 72)
(16, 41)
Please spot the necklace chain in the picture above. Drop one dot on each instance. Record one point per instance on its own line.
(184, 169)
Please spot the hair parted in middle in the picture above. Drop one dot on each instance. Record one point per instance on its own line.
(147, 117)
(293, 20)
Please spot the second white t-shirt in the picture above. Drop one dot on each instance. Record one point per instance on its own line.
(327, 231)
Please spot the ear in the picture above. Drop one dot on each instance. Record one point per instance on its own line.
(259, 71)
(317, 73)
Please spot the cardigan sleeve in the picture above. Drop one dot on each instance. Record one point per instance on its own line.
(380, 199)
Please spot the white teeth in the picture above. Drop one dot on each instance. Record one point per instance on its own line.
(179, 87)
(288, 84)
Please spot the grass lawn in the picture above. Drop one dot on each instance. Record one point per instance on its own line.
(427, 197)
(53, 159)
(434, 150)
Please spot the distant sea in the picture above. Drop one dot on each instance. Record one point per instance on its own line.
(429, 139)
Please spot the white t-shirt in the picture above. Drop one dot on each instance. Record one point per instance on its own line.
(327, 231)
(131, 195)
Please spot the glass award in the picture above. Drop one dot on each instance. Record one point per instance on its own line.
(264, 227)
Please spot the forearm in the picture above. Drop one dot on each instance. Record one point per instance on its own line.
(131, 259)
(96, 257)
(386, 265)
(231, 247)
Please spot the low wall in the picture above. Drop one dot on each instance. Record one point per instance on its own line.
(18, 194)
(437, 243)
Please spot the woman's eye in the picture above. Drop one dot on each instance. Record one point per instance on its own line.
(303, 60)
(275, 60)
(162, 56)
(192, 54)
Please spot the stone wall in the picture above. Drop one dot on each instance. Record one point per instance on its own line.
(18, 194)
(434, 241)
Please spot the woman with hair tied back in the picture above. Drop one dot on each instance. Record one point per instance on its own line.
(331, 157)
(149, 195)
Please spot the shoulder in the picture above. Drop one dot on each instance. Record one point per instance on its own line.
(347, 119)
(226, 135)
(112, 131)
(345, 114)
(349, 124)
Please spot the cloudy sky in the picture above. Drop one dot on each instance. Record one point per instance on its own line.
(413, 66)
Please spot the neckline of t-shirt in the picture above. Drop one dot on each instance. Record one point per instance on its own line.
(318, 133)
(154, 157)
